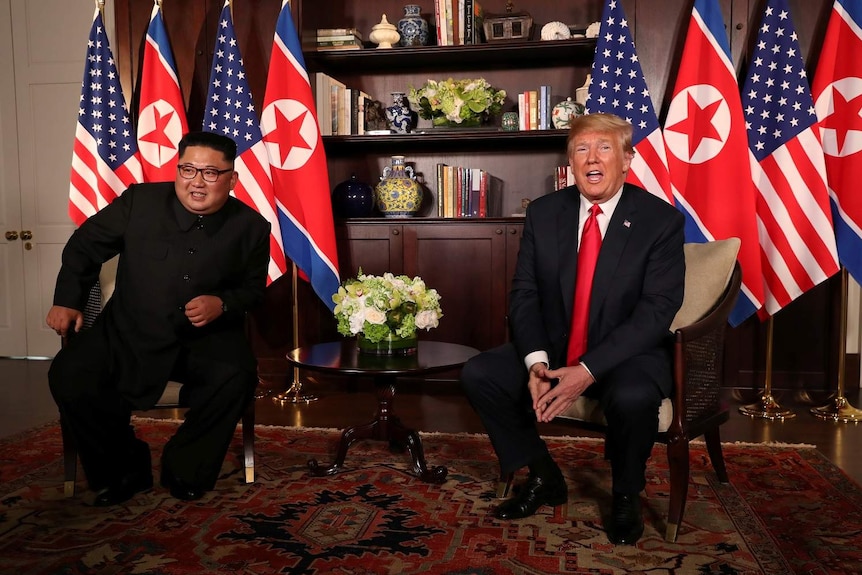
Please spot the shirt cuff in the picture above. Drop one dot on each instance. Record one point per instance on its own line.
(536, 357)
(588, 370)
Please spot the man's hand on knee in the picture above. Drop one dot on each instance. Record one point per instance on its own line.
(61, 318)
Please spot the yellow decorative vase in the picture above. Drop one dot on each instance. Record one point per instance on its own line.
(398, 195)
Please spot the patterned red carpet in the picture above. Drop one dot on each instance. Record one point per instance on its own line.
(787, 510)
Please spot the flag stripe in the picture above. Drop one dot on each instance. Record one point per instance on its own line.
(708, 159)
(104, 154)
(837, 90)
(298, 163)
(788, 169)
(617, 86)
(230, 111)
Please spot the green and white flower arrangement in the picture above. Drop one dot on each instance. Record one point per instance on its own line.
(466, 102)
(377, 306)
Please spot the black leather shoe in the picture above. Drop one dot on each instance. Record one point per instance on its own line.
(536, 492)
(124, 489)
(179, 488)
(627, 524)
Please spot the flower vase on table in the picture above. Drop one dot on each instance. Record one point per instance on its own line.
(385, 312)
(390, 345)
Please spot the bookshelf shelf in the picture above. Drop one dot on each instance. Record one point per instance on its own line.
(448, 140)
(500, 55)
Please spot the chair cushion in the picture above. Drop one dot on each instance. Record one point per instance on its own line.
(587, 409)
(708, 269)
(171, 395)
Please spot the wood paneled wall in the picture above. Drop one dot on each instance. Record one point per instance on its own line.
(806, 333)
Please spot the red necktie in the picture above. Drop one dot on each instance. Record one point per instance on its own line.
(588, 253)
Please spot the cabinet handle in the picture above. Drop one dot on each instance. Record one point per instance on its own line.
(513, 231)
(395, 232)
(498, 231)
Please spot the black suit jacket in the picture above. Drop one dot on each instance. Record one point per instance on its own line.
(167, 257)
(637, 288)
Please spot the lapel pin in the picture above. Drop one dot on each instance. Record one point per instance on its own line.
(627, 223)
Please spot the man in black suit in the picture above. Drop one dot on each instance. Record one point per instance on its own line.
(192, 260)
(625, 362)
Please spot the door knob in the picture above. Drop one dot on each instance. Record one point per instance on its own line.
(26, 235)
(11, 236)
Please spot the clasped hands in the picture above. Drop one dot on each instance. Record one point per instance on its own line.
(200, 311)
(548, 401)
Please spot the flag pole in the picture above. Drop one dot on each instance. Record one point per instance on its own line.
(767, 407)
(294, 392)
(840, 409)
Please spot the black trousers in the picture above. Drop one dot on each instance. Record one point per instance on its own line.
(495, 382)
(216, 393)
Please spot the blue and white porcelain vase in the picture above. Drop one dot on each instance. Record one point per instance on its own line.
(413, 28)
(398, 194)
(399, 114)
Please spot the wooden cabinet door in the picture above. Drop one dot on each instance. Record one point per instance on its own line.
(466, 263)
(375, 247)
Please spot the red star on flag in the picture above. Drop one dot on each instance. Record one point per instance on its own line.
(158, 135)
(698, 124)
(287, 130)
(845, 116)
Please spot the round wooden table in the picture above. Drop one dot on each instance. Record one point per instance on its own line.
(343, 358)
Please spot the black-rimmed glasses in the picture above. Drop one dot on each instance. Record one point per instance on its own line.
(210, 175)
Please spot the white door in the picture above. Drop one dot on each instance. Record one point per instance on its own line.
(42, 46)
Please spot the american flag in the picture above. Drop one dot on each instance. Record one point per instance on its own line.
(708, 151)
(837, 92)
(298, 163)
(162, 114)
(618, 87)
(787, 164)
(105, 154)
(230, 111)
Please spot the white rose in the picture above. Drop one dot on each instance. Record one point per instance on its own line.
(374, 316)
(427, 319)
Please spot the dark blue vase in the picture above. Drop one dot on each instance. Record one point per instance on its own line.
(352, 199)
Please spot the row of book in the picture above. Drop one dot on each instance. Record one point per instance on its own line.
(534, 109)
(341, 111)
(467, 193)
(339, 39)
(458, 22)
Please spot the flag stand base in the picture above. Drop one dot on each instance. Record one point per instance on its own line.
(839, 411)
(767, 408)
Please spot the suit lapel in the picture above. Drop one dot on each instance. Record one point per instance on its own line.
(613, 244)
(567, 245)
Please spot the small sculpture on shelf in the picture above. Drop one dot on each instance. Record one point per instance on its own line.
(375, 118)
(384, 34)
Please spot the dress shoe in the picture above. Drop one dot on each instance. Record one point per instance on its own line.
(627, 524)
(179, 488)
(536, 492)
(123, 489)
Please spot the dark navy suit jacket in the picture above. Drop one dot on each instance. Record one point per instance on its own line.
(637, 288)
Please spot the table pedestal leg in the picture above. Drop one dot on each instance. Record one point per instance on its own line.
(384, 427)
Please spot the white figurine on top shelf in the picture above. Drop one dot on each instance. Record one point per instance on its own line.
(384, 34)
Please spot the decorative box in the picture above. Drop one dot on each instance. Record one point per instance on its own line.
(512, 26)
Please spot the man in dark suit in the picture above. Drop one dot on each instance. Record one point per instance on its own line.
(192, 260)
(622, 357)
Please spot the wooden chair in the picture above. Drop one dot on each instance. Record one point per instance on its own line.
(712, 284)
(170, 398)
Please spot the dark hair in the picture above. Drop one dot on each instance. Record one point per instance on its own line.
(210, 140)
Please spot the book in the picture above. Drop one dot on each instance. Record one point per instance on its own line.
(342, 47)
(322, 102)
(333, 39)
(339, 32)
